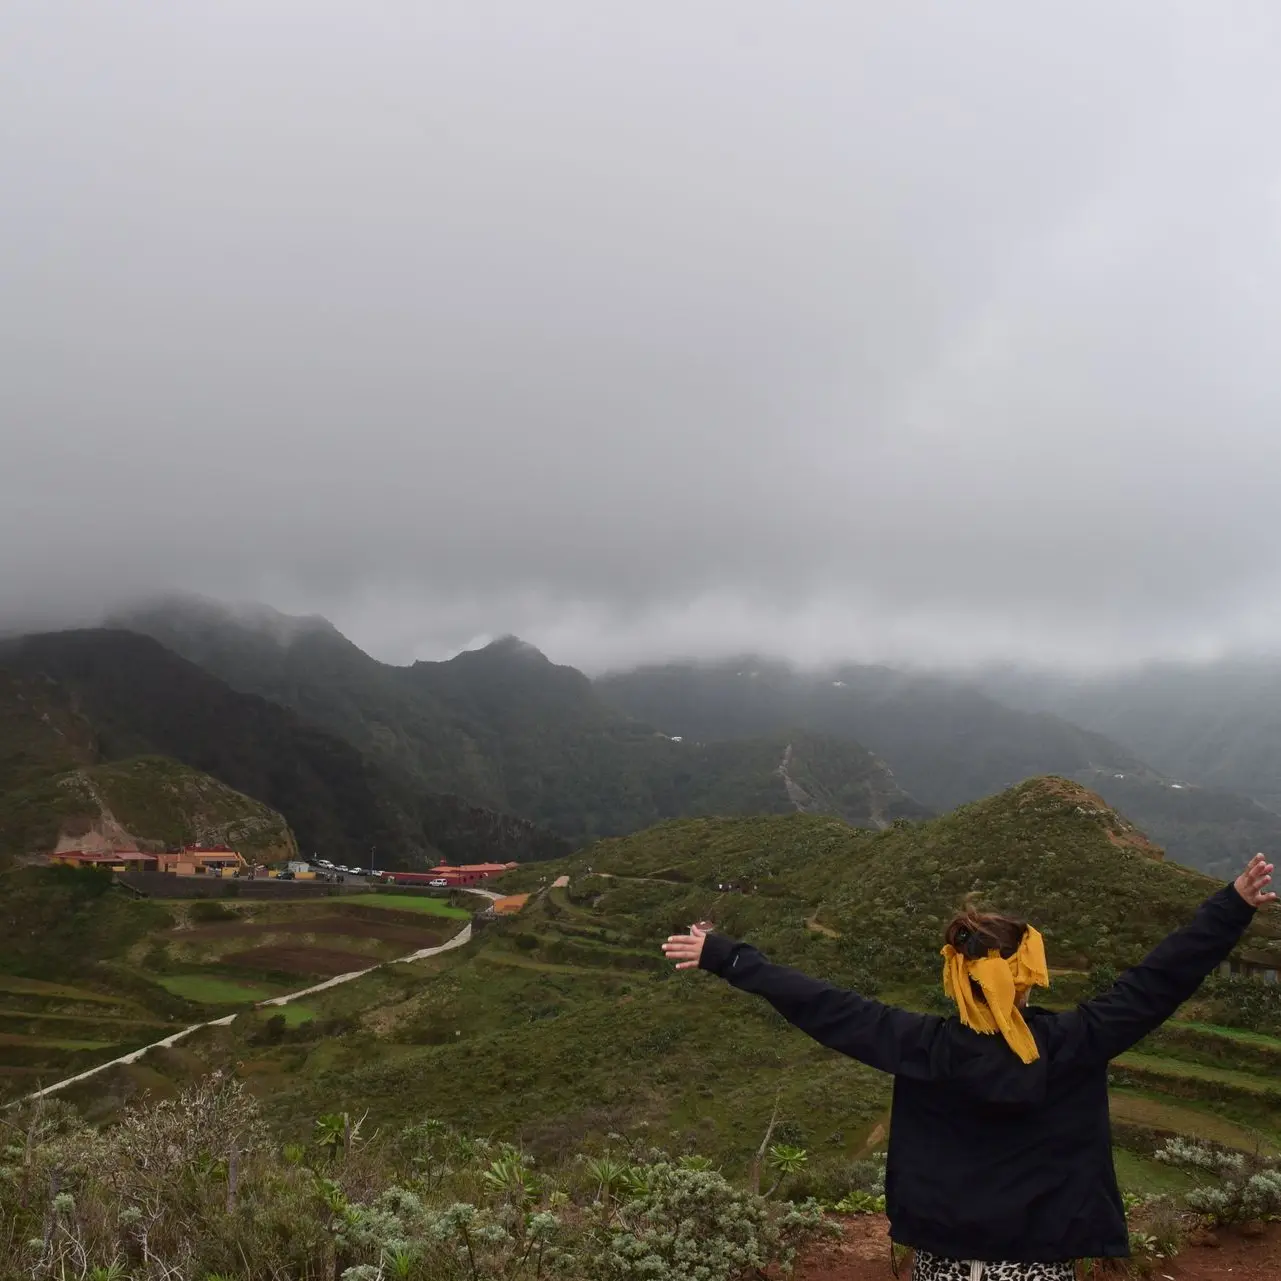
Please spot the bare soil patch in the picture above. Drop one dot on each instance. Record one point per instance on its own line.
(409, 932)
(323, 961)
(864, 1255)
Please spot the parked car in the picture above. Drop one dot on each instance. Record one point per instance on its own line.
(286, 876)
(438, 883)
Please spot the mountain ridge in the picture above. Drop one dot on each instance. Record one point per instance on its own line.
(1214, 724)
(949, 742)
(506, 727)
(144, 700)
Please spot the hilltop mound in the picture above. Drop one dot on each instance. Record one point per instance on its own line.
(146, 803)
(1057, 793)
(1050, 850)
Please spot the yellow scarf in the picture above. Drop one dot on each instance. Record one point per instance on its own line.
(1002, 982)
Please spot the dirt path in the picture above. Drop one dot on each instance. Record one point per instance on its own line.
(863, 1254)
(459, 940)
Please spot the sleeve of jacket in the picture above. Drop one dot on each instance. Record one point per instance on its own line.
(1145, 996)
(881, 1036)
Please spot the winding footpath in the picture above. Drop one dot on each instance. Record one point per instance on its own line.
(459, 940)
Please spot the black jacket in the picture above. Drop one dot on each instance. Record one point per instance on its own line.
(990, 1158)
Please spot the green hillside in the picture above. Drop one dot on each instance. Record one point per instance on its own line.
(565, 1022)
(146, 803)
(40, 731)
(142, 700)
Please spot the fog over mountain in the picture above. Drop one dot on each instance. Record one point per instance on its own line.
(900, 332)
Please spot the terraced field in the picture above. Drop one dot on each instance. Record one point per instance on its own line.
(49, 1030)
(199, 960)
(282, 944)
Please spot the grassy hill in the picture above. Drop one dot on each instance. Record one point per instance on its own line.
(147, 803)
(564, 1022)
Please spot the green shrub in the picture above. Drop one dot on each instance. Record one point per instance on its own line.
(209, 910)
(695, 1223)
(1241, 1001)
(1102, 978)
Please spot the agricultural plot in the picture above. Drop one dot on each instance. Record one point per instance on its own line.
(198, 960)
(51, 1030)
(420, 903)
(283, 945)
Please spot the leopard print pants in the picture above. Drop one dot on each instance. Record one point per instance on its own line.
(930, 1267)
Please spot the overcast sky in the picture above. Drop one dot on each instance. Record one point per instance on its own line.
(926, 331)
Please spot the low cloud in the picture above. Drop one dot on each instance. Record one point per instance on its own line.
(907, 334)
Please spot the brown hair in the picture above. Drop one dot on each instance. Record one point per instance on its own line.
(974, 934)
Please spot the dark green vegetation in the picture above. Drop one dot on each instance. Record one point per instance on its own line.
(88, 972)
(949, 742)
(565, 1023)
(41, 733)
(132, 697)
(508, 729)
(64, 1004)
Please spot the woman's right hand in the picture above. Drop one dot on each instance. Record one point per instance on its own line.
(1253, 883)
(687, 949)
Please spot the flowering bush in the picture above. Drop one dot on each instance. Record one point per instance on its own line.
(195, 1187)
(1240, 1188)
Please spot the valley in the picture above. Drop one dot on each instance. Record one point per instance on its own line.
(568, 1006)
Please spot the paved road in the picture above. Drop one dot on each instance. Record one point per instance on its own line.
(462, 937)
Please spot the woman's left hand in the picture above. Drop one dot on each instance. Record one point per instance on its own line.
(687, 949)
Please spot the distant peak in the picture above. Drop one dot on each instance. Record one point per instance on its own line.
(514, 647)
(186, 608)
